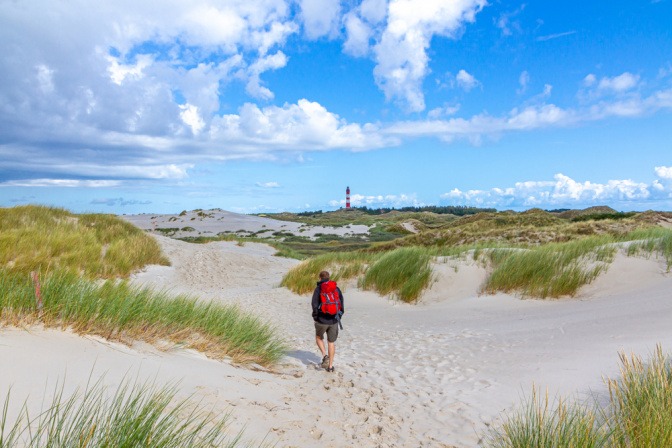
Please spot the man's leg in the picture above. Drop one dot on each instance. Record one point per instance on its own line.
(320, 345)
(332, 353)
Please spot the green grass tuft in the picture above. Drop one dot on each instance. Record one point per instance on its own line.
(135, 415)
(35, 238)
(116, 310)
(405, 272)
(637, 414)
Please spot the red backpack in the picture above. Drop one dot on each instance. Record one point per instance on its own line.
(330, 301)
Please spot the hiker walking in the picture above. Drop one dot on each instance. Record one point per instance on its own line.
(327, 311)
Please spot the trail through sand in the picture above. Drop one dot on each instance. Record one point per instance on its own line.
(427, 375)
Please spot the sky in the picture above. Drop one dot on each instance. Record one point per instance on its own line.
(254, 106)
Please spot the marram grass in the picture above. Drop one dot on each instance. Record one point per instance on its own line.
(552, 270)
(35, 238)
(637, 413)
(404, 272)
(135, 415)
(117, 310)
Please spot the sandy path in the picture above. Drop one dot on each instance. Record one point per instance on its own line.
(432, 374)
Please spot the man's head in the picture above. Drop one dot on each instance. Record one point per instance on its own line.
(324, 275)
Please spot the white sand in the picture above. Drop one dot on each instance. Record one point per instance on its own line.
(433, 374)
(213, 222)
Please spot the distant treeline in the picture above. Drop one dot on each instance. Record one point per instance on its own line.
(458, 210)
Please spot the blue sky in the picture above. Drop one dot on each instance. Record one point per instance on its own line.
(269, 105)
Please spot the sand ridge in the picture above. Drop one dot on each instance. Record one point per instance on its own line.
(432, 374)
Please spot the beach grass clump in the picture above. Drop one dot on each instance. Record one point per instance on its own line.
(551, 270)
(656, 240)
(342, 266)
(637, 413)
(36, 238)
(640, 411)
(134, 415)
(117, 310)
(541, 423)
(405, 272)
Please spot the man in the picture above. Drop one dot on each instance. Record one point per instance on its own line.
(326, 315)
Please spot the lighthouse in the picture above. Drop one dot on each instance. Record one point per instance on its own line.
(347, 198)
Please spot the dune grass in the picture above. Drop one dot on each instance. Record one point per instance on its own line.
(640, 412)
(116, 310)
(552, 270)
(636, 415)
(134, 415)
(541, 423)
(655, 240)
(404, 272)
(36, 238)
(341, 265)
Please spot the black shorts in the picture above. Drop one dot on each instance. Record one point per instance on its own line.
(332, 331)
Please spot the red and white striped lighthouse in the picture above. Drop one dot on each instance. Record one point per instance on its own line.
(347, 198)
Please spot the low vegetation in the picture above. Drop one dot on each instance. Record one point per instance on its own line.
(80, 261)
(551, 270)
(548, 270)
(637, 413)
(116, 310)
(403, 273)
(34, 238)
(135, 415)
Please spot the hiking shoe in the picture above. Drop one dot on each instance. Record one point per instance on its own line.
(330, 369)
(325, 361)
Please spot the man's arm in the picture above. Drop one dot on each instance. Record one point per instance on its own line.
(316, 302)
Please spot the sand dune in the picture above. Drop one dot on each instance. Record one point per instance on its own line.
(432, 374)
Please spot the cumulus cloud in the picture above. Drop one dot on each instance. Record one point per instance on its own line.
(320, 17)
(620, 83)
(561, 191)
(664, 172)
(358, 34)
(301, 126)
(465, 80)
(373, 201)
(401, 51)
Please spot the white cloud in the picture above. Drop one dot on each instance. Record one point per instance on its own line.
(621, 83)
(192, 118)
(446, 110)
(358, 35)
(401, 53)
(268, 184)
(562, 191)
(373, 201)
(664, 172)
(57, 183)
(465, 80)
(301, 126)
(589, 80)
(373, 11)
(272, 62)
(523, 80)
(320, 17)
(119, 71)
(506, 24)
(45, 78)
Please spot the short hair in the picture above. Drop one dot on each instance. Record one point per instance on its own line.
(324, 275)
